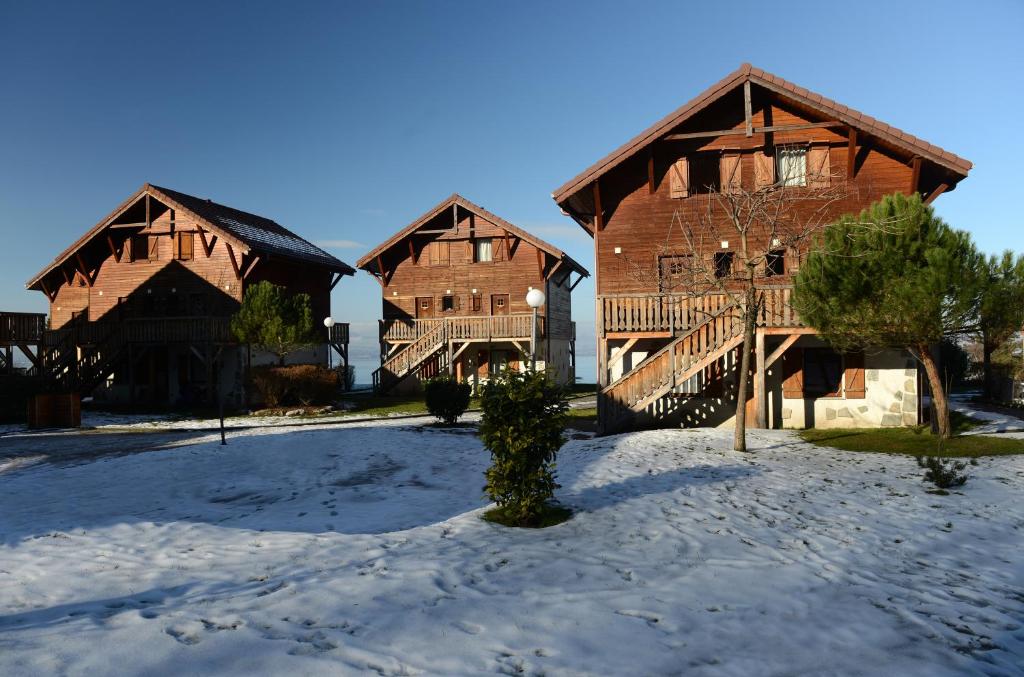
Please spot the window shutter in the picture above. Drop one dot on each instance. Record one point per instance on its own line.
(729, 168)
(185, 243)
(764, 169)
(793, 374)
(853, 376)
(819, 173)
(154, 243)
(679, 178)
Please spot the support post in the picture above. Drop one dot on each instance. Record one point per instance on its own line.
(760, 393)
(747, 114)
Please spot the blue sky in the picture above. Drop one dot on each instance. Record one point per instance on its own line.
(345, 121)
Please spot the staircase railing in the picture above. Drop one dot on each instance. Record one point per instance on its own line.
(662, 371)
(401, 365)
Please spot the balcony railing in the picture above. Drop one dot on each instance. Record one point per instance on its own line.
(673, 314)
(468, 328)
(339, 332)
(21, 327)
(145, 330)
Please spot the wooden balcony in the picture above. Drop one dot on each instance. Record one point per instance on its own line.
(339, 333)
(26, 328)
(468, 328)
(152, 330)
(664, 315)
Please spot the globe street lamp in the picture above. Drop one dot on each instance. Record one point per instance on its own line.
(329, 322)
(534, 299)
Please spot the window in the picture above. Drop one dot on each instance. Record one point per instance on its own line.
(674, 270)
(447, 303)
(476, 303)
(723, 264)
(499, 301)
(183, 248)
(499, 361)
(484, 252)
(705, 173)
(143, 248)
(439, 253)
(791, 166)
(775, 263)
(823, 372)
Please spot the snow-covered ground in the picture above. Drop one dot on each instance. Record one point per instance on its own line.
(359, 548)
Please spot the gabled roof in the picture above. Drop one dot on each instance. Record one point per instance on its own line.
(746, 72)
(369, 261)
(248, 232)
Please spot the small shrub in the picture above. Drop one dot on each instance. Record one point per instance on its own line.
(446, 398)
(943, 473)
(524, 416)
(304, 384)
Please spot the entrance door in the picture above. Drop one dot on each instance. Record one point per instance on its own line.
(424, 307)
(499, 304)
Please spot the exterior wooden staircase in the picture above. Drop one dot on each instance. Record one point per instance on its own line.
(667, 369)
(410, 359)
(64, 369)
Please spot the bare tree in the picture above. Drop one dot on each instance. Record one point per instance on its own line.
(730, 239)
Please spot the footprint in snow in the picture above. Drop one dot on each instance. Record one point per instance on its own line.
(468, 628)
(183, 634)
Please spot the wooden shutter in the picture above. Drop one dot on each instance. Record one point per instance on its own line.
(185, 244)
(764, 169)
(154, 243)
(818, 171)
(679, 178)
(853, 376)
(729, 169)
(793, 374)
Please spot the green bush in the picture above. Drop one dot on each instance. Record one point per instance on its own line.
(524, 416)
(305, 384)
(943, 473)
(446, 398)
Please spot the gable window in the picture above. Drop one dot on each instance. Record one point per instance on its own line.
(144, 248)
(823, 372)
(723, 264)
(183, 246)
(705, 173)
(775, 263)
(484, 250)
(791, 165)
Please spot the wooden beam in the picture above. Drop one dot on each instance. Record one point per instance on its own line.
(776, 331)
(46, 290)
(650, 172)
(915, 175)
(207, 245)
(554, 268)
(83, 269)
(67, 278)
(636, 334)
(127, 225)
(248, 268)
(172, 221)
(149, 220)
(756, 130)
(573, 285)
(598, 210)
(540, 263)
(234, 261)
(412, 251)
(337, 278)
(383, 273)
(747, 113)
(113, 250)
(851, 154)
(939, 190)
(777, 353)
(621, 352)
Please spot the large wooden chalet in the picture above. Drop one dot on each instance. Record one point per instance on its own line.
(454, 285)
(140, 304)
(668, 355)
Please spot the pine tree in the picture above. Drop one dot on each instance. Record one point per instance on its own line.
(896, 275)
(1001, 310)
(273, 320)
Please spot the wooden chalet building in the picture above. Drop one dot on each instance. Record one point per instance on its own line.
(454, 285)
(140, 304)
(670, 355)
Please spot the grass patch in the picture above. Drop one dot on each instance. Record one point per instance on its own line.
(382, 405)
(918, 441)
(553, 514)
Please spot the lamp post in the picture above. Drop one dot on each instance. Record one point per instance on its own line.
(329, 322)
(534, 299)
